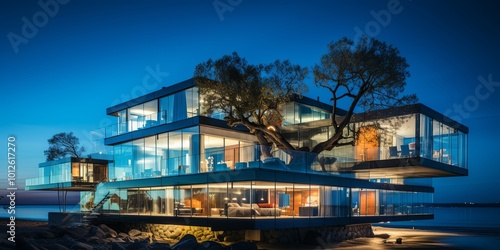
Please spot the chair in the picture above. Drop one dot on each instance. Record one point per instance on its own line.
(393, 152)
(405, 151)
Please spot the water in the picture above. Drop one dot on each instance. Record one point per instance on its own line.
(458, 217)
(32, 212)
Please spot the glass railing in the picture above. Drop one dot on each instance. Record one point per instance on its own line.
(133, 125)
(90, 199)
(339, 161)
(51, 179)
(143, 122)
(242, 158)
(48, 179)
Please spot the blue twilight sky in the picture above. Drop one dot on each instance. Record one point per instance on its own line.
(65, 61)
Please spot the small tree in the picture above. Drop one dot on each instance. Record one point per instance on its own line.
(63, 145)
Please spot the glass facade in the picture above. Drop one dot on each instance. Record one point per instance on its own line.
(185, 151)
(200, 149)
(442, 143)
(69, 170)
(171, 108)
(263, 199)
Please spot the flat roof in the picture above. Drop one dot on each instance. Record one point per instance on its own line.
(409, 109)
(73, 159)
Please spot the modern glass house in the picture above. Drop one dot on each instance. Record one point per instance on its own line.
(174, 164)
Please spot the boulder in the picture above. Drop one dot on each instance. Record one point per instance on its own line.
(134, 233)
(212, 245)
(139, 245)
(399, 241)
(159, 246)
(45, 235)
(56, 246)
(94, 240)
(186, 242)
(96, 231)
(109, 231)
(81, 246)
(117, 246)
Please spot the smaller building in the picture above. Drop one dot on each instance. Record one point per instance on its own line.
(69, 174)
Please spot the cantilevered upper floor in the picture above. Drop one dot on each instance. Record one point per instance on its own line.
(72, 174)
(164, 133)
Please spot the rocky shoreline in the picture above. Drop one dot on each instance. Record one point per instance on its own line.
(131, 236)
(32, 235)
(38, 235)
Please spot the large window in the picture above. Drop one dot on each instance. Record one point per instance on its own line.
(143, 115)
(443, 143)
(179, 106)
(264, 200)
(167, 109)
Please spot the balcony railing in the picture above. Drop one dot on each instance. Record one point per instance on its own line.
(142, 122)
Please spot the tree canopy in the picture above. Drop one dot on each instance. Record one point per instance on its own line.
(250, 95)
(63, 145)
(368, 74)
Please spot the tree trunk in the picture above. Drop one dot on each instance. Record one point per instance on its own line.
(265, 146)
(301, 160)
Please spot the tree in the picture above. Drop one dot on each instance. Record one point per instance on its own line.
(369, 73)
(63, 145)
(250, 95)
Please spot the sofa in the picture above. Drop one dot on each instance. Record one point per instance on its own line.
(248, 210)
(181, 209)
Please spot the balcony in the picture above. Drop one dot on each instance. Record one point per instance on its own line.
(72, 174)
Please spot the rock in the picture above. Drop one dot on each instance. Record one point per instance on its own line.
(134, 232)
(159, 246)
(399, 241)
(109, 231)
(139, 245)
(186, 242)
(81, 246)
(56, 246)
(94, 240)
(212, 245)
(244, 246)
(117, 246)
(45, 235)
(7, 243)
(95, 231)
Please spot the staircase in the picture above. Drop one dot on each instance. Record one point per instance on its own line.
(95, 211)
